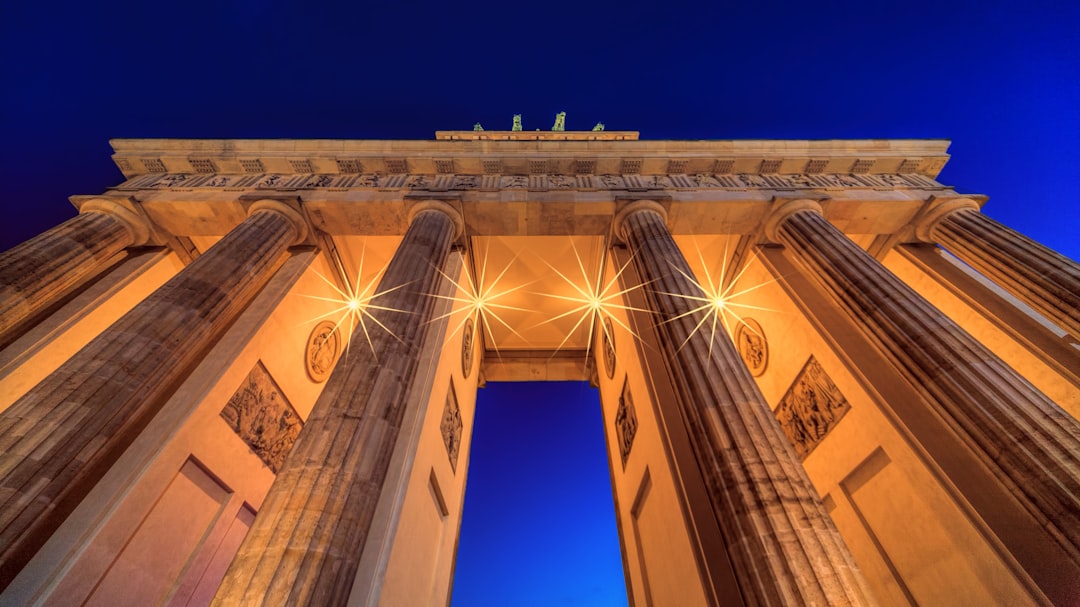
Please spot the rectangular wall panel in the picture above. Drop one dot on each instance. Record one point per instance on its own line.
(145, 571)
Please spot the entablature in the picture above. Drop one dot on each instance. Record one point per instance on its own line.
(541, 156)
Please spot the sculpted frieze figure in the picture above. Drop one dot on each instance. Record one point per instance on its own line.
(270, 182)
(702, 180)
(170, 181)
(611, 181)
(754, 181)
(561, 181)
(465, 181)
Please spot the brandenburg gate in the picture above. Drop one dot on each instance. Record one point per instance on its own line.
(247, 374)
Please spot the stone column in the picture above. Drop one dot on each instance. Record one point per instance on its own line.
(1041, 277)
(783, 546)
(1029, 444)
(59, 439)
(36, 273)
(310, 533)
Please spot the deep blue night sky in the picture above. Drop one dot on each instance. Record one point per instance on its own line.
(1000, 79)
(532, 533)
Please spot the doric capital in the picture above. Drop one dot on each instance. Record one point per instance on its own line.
(431, 204)
(634, 207)
(135, 224)
(785, 210)
(937, 210)
(268, 204)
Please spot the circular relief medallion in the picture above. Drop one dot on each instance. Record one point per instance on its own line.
(609, 348)
(750, 340)
(322, 349)
(467, 348)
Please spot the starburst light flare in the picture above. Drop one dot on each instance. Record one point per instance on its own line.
(481, 300)
(595, 300)
(355, 304)
(717, 302)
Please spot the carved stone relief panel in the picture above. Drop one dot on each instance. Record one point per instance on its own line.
(467, 338)
(812, 406)
(261, 416)
(451, 426)
(625, 422)
(752, 346)
(608, 340)
(322, 349)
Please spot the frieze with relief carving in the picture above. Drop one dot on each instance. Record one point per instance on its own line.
(262, 417)
(811, 408)
(739, 181)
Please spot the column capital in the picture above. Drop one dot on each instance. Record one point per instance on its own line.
(641, 204)
(136, 225)
(434, 204)
(293, 215)
(785, 209)
(937, 210)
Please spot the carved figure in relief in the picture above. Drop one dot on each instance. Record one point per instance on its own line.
(369, 181)
(893, 180)
(611, 181)
(321, 181)
(753, 181)
(560, 122)
(625, 422)
(517, 123)
(609, 348)
(704, 181)
(270, 182)
(800, 180)
(451, 427)
(660, 181)
(322, 349)
(560, 181)
(260, 415)
(417, 181)
(515, 181)
(217, 182)
(841, 180)
(169, 181)
(753, 348)
(465, 181)
(812, 407)
(467, 349)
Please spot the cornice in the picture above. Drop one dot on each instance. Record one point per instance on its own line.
(529, 157)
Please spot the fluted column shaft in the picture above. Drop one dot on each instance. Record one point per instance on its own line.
(310, 533)
(1027, 442)
(34, 274)
(1041, 277)
(60, 438)
(783, 546)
